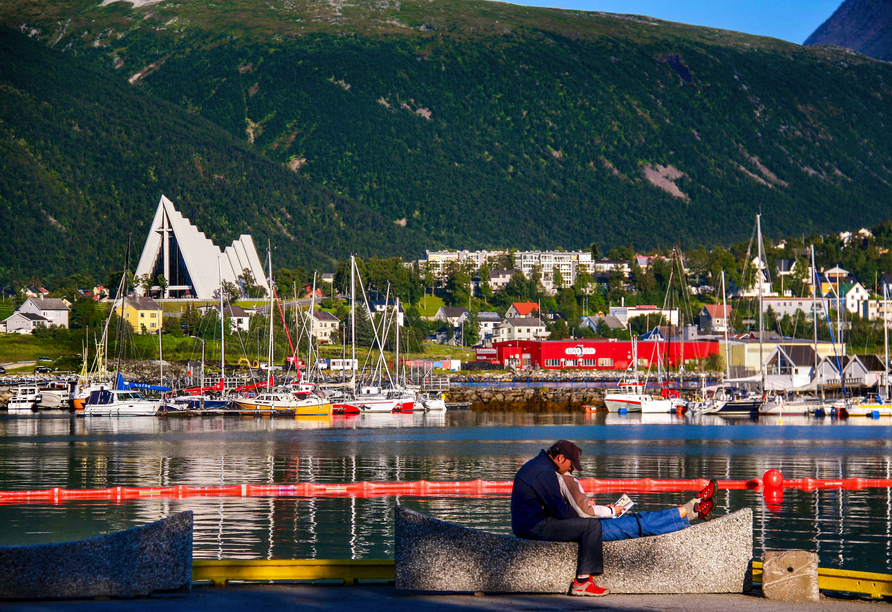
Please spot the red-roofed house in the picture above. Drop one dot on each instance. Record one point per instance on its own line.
(715, 318)
(519, 310)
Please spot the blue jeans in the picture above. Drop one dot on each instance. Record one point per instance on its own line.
(591, 533)
(639, 524)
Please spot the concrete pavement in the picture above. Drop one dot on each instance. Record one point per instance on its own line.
(385, 598)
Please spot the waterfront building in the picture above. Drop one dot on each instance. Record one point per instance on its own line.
(142, 313)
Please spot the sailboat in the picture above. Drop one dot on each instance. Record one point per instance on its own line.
(874, 404)
(631, 394)
(802, 404)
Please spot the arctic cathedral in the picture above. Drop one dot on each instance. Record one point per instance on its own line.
(192, 265)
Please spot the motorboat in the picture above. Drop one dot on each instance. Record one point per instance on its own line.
(868, 406)
(24, 399)
(430, 403)
(631, 397)
(300, 403)
(112, 402)
(55, 396)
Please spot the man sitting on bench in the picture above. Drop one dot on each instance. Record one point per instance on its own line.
(540, 511)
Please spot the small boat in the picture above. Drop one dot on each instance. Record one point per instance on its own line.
(55, 396)
(430, 403)
(24, 399)
(108, 402)
(867, 406)
(301, 403)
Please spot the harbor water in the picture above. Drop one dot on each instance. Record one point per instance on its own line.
(849, 529)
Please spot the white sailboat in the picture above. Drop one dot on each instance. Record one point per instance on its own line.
(631, 395)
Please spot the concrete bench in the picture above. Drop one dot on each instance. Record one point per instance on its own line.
(136, 562)
(709, 557)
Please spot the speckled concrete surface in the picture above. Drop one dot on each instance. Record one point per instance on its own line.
(367, 598)
(433, 555)
(135, 562)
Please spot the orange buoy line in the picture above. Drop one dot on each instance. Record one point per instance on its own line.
(773, 482)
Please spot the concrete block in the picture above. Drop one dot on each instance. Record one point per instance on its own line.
(790, 575)
(131, 563)
(433, 555)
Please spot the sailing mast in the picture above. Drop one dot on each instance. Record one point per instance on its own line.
(759, 281)
(269, 365)
(727, 325)
(886, 340)
(353, 320)
(222, 333)
(814, 310)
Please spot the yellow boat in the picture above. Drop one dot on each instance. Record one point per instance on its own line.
(300, 403)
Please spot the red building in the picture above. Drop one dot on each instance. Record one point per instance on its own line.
(593, 354)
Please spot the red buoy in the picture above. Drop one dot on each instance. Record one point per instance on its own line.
(773, 479)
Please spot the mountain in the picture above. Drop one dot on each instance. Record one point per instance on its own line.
(864, 26)
(455, 124)
(85, 158)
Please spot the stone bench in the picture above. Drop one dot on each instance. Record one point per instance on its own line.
(136, 562)
(709, 557)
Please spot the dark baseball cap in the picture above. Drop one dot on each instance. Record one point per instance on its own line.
(568, 450)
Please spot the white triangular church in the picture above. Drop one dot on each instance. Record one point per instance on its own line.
(189, 260)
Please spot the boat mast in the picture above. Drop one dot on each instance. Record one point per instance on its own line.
(269, 363)
(727, 324)
(759, 281)
(353, 320)
(886, 340)
(222, 318)
(814, 310)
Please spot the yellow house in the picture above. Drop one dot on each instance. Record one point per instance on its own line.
(143, 314)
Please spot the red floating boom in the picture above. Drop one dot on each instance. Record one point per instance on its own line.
(421, 488)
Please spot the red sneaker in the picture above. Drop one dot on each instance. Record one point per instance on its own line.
(587, 588)
(709, 490)
(704, 508)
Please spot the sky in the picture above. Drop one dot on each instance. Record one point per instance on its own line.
(790, 20)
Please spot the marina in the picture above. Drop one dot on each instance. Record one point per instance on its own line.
(848, 528)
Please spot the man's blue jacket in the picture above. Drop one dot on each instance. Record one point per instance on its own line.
(537, 495)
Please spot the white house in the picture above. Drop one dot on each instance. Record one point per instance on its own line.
(453, 315)
(324, 325)
(52, 309)
(527, 328)
(789, 306)
(715, 318)
(25, 322)
(488, 323)
(239, 319)
(624, 313)
(848, 296)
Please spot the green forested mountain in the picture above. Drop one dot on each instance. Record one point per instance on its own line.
(390, 126)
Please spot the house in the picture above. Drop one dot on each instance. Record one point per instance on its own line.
(521, 309)
(381, 306)
(875, 370)
(33, 291)
(715, 318)
(25, 322)
(498, 279)
(624, 313)
(520, 328)
(847, 296)
(308, 292)
(488, 323)
(239, 318)
(143, 314)
(52, 309)
(782, 306)
(453, 315)
(325, 325)
(791, 365)
(611, 321)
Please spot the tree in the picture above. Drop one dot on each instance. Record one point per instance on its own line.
(249, 284)
(231, 292)
(86, 313)
(161, 281)
(557, 279)
(471, 329)
(458, 285)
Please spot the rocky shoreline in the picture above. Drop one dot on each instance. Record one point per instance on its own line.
(526, 399)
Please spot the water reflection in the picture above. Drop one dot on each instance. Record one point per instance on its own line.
(849, 529)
